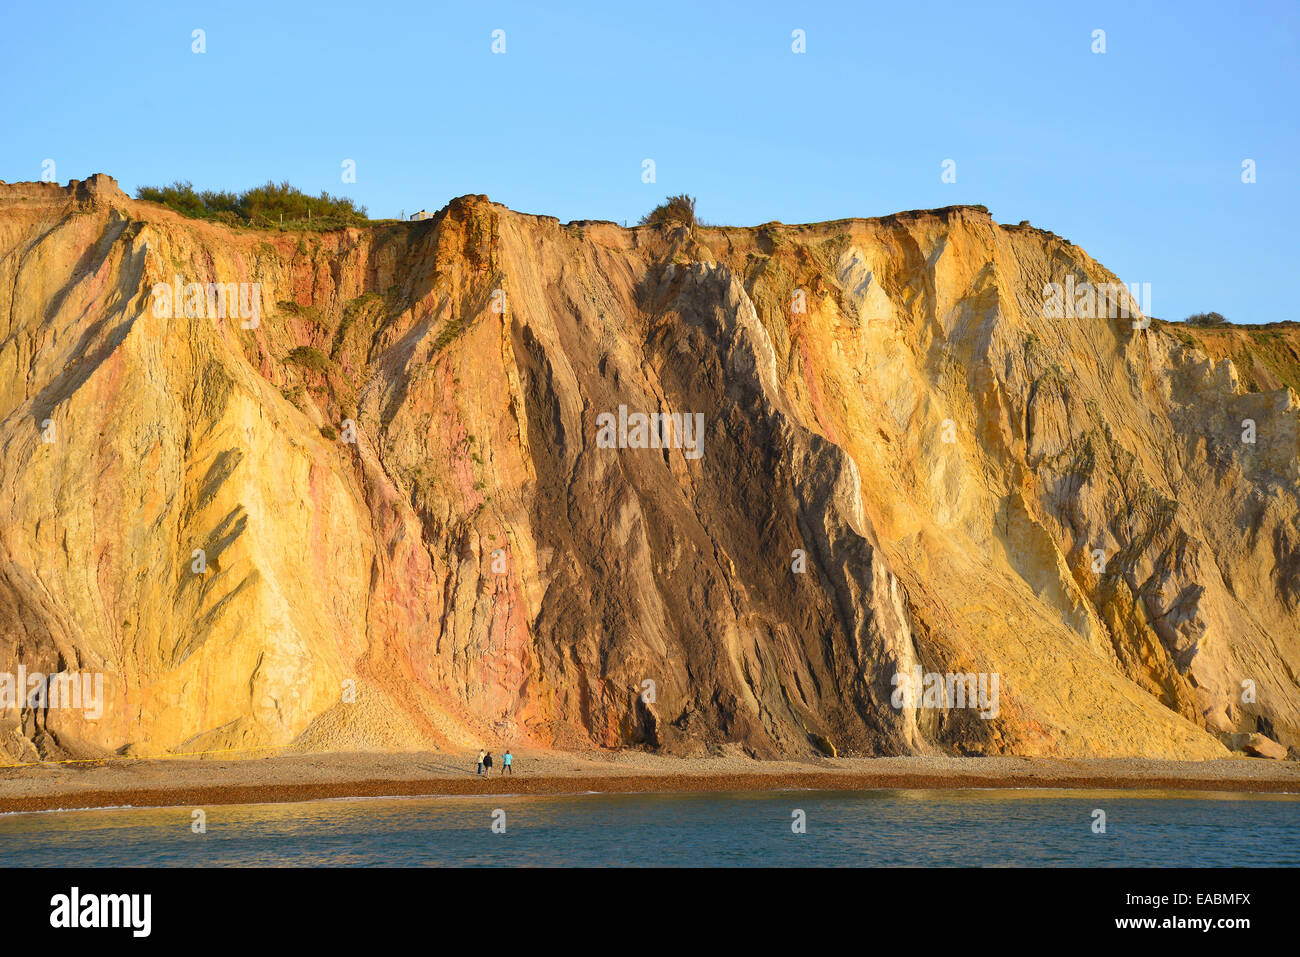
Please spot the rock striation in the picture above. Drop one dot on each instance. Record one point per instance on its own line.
(353, 497)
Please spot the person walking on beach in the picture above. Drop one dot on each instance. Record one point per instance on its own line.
(480, 760)
(487, 763)
(505, 763)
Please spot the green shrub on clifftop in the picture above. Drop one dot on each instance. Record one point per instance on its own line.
(271, 205)
(675, 209)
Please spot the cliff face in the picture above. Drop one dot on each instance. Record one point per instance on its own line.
(381, 512)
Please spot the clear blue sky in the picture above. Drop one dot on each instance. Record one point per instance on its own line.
(1134, 154)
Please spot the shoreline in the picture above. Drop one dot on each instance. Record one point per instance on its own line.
(296, 778)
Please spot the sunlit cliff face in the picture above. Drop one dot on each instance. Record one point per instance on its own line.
(488, 477)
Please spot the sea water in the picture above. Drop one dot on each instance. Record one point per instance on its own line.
(980, 828)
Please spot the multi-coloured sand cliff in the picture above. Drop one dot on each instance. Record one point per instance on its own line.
(352, 497)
